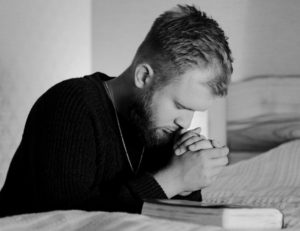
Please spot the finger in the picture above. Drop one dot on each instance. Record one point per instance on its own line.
(220, 162)
(215, 152)
(185, 145)
(182, 139)
(192, 140)
(196, 130)
(190, 133)
(202, 144)
(180, 150)
(216, 143)
(185, 137)
(182, 131)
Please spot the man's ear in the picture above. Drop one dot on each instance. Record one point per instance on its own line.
(143, 75)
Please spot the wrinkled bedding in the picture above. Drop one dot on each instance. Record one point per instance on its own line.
(87, 221)
(270, 179)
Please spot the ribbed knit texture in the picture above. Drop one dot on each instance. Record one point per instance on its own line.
(71, 156)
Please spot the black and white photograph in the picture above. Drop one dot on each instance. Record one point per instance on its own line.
(163, 115)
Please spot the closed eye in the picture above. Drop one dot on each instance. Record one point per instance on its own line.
(181, 107)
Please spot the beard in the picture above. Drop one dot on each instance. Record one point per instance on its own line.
(144, 122)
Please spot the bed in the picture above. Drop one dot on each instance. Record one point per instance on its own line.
(265, 169)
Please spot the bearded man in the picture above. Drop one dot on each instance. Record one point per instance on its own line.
(103, 143)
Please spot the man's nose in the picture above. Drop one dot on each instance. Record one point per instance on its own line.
(184, 121)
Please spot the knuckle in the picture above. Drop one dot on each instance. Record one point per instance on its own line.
(226, 150)
(207, 144)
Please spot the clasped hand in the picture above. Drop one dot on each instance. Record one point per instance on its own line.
(196, 163)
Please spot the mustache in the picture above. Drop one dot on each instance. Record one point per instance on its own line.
(170, 130)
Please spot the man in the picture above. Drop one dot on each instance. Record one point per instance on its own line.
(97, 143)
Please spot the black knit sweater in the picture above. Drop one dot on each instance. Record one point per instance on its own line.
(71, 156)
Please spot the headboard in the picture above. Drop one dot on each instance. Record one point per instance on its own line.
(263, 112)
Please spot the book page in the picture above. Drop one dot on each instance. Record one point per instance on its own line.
(271, 179)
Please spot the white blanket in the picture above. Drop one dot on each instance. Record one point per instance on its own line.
(91, 221)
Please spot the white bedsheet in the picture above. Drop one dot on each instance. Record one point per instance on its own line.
(75, 220)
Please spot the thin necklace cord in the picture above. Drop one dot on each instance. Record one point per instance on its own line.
(121, 134)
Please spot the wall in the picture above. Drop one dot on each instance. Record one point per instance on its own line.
(271, 41)
(41, 43)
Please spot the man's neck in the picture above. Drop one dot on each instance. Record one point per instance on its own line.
(130, 134)
(123, 93)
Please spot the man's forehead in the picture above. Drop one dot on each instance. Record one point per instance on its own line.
(200, 75)
(193, 79)
(191, 89)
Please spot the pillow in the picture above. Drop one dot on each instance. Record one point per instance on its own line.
(263, 112)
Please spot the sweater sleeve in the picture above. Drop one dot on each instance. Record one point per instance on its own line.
(65, 150)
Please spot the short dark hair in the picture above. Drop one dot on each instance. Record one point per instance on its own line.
(184, 37)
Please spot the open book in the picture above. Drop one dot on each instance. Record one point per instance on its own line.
(223, 215)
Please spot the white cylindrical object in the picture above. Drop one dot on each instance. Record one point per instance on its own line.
(217, 121)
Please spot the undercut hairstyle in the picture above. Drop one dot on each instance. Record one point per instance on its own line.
(182, 38)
